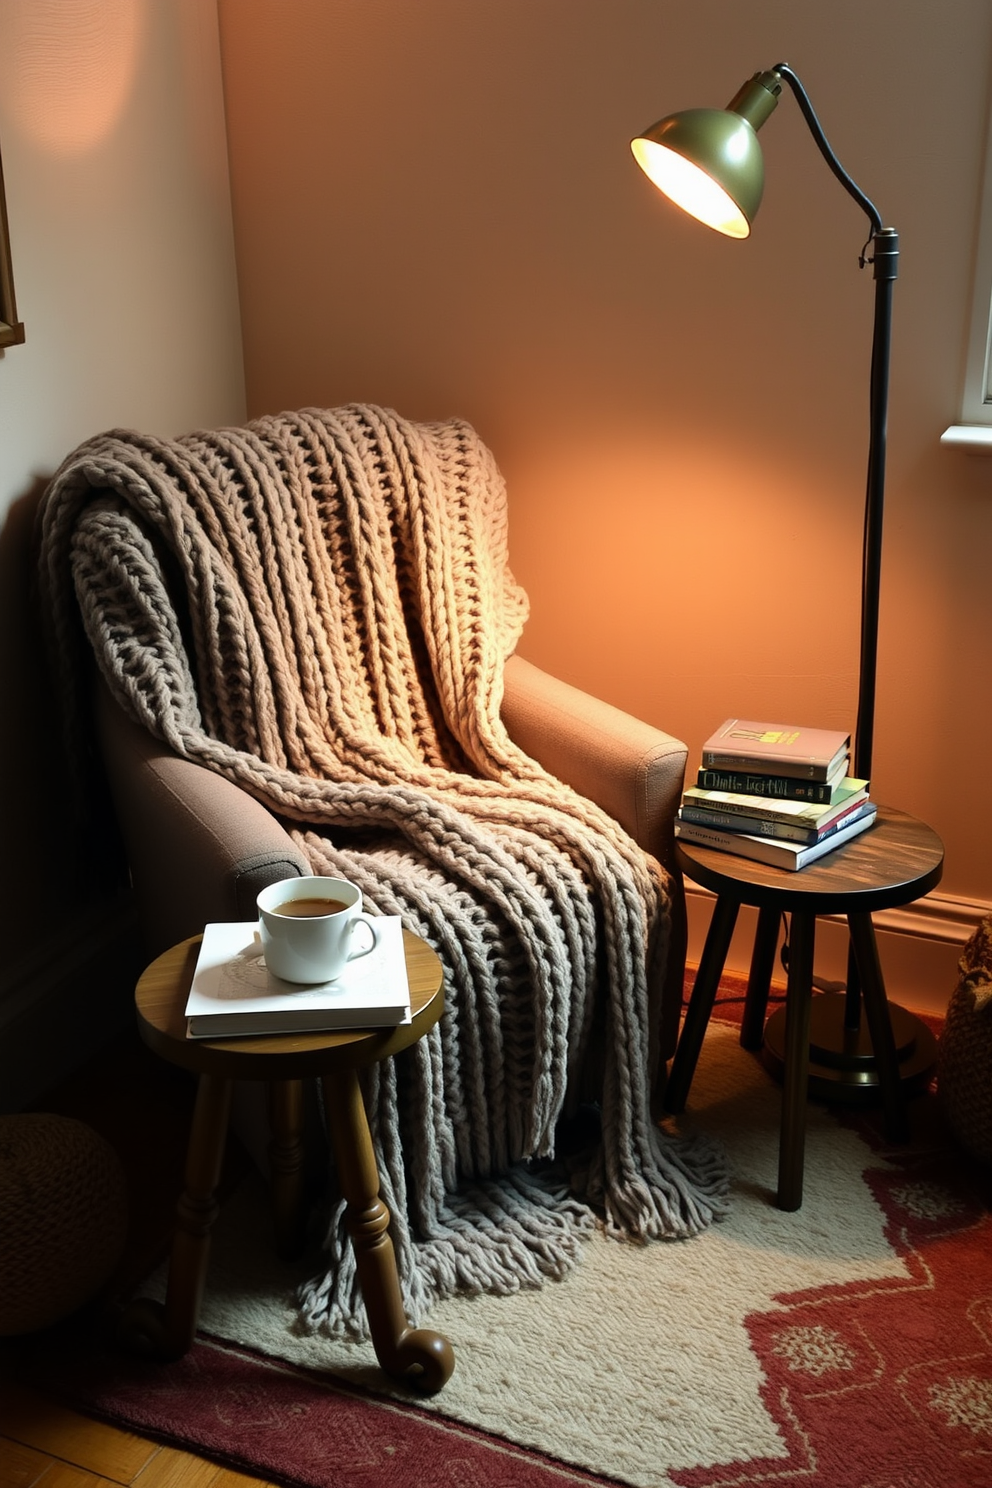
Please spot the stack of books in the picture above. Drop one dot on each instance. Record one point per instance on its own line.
(775, 793)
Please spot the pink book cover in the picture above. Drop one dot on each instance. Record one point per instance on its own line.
(742, 739)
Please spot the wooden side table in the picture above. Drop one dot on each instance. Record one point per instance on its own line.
(896, 861)
(166, 1330)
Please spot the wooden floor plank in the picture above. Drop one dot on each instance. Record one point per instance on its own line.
(21, 1466)
(166, 1467)
(67, 1475)
(35, 1421)
(175, 1469)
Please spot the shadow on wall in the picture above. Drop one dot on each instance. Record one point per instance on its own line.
(68, 973)
(29, 753)
(35, 803)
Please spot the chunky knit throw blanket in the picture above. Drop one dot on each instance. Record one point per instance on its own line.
(319, 607)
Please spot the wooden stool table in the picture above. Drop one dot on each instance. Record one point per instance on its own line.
(418, 1355)
(896, 860)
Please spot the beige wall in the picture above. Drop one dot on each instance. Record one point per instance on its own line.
(435, 209)
(114, 154)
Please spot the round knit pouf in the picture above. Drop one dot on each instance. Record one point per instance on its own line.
(64, 1218)
(964, 1050)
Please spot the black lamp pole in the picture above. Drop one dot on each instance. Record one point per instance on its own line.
(882, 251)
(885, 259)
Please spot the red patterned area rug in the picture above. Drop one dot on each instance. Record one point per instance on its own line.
(848, 1345)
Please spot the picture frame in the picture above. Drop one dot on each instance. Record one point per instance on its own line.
(11, 329)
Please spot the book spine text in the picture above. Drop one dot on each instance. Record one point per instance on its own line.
(741, 783)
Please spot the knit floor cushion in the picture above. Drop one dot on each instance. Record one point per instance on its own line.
(64, 1208)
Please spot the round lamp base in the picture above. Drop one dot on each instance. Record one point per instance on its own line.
(842, 1065)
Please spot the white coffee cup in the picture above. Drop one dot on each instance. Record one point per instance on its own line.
(307, 927)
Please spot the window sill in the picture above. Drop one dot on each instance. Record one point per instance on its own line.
(975, 439)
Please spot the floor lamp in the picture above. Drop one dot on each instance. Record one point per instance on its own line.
(709, 163)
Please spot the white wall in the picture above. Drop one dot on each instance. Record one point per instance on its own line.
(115, 161)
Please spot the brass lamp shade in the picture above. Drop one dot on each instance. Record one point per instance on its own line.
(709, 162)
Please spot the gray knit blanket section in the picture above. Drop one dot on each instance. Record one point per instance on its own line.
(319, 607)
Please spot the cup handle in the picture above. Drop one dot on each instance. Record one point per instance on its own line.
(364, 919)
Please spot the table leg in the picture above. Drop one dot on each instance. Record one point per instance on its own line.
(760, 977)
(792, 1140)
(852, 991)
(166, 1331)
(701, 1002)
(880, 1027)
(418, 1355)
(286, 1167)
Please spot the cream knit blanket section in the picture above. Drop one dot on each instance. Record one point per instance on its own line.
(319, 607)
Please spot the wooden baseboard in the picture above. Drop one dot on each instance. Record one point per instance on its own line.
(67, 997)
(939, 917)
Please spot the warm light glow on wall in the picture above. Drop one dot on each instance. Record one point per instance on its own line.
(67, 68)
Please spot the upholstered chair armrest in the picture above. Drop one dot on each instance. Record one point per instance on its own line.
(632, 770)
(199, 847)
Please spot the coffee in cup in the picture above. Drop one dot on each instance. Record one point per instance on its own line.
(303, 909)
(307, 927)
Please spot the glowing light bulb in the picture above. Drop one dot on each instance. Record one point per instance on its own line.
(690, 188)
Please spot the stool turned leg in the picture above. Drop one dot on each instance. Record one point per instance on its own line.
(760, 978)
(799, 994)
(166, 1331)
(879, 1026)
(701, 1003)
(421, 1357)
(286, 1167)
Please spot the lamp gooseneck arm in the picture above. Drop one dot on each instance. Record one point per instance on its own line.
(823, 145)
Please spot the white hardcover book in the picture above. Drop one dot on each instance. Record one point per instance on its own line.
(233, 992)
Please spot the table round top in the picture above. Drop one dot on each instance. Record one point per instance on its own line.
(896, 860)
(160, 999)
